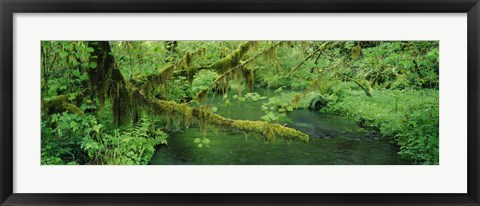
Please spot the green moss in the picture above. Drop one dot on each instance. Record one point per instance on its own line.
(59, 104)
(232, 59)
(271, 132)
(204, 118)
(150, 82)
(356, 51)
(248, 76)
(296, 100)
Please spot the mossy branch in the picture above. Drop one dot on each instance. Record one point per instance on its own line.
(320, 49)
(247, 73)
(233, 59)
(164, 74)
(270, 131)
(185, 65)
(220, 66)
(367, 92)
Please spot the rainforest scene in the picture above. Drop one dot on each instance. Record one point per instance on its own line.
(239, 102)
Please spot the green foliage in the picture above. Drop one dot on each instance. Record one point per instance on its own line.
(133, 146)
(203, 79)
(277, 107)
(61, 137)
(251, 97)
(201, 142)
(400, 65)
(407, 117)
(389, 86)
(73, 139)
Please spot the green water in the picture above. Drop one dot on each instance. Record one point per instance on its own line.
(334, 140)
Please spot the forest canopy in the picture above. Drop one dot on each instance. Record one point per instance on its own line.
(122, 102)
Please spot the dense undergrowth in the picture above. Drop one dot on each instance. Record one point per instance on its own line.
(77, 139)
(407, 117)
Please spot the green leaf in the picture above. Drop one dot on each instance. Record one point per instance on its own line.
(84, 77)
(72, 96)
(289, 108)
(76, 73)
(200, 145)
(63, 54)
(197, 140)
(55, 117)
(93, 65)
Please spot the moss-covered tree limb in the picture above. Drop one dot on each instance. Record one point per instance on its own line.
(127, 100)
(233, 59)
(222, 65)
(247, 73)
(59, 104)
(182, 65)
(270, 131)
(185, 65)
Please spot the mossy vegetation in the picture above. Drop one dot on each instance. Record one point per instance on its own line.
(59, 104)
(136, 93)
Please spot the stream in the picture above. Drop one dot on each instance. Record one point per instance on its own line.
(334, 140)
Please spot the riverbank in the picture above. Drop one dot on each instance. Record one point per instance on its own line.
(407, 118)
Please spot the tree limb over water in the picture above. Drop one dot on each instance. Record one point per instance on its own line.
(128, 100)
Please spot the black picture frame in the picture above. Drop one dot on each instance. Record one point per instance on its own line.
(9, 7)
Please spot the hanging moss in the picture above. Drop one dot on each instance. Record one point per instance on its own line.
(202, 94)
(187, 114)
(270, 53)
(356, 51)
(238, 78)
(165, 73)
(145, 81)
(203, 117)
(248, 76)
(296, 100)
(108, 82)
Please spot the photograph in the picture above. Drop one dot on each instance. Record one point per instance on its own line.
(199, 102)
